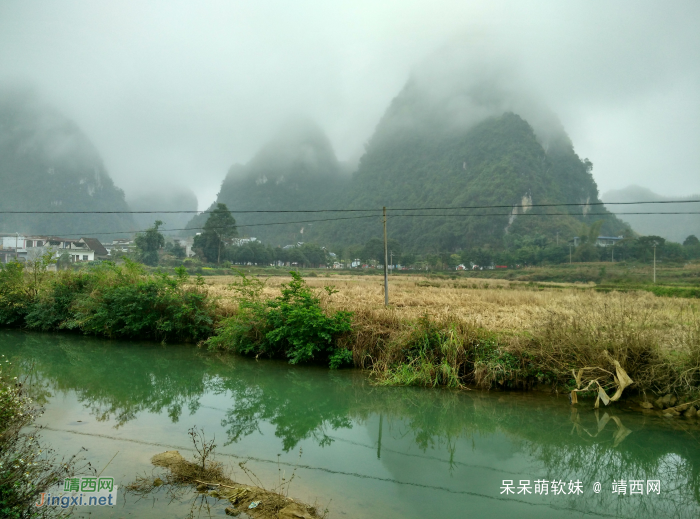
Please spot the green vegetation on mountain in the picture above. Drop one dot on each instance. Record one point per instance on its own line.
(48, 164)
(423, 154)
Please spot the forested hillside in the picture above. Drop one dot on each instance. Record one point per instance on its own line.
(422, 155)
(454, 150)
(48, 164)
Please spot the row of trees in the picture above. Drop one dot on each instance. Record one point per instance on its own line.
(216, 244)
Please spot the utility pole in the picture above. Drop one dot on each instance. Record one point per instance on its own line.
(16, 244)
(386, 267)
(379, 438)
(557, 238)
(570, 254)
(654, 261)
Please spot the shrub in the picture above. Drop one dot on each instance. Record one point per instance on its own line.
(292, 325)
(26, 470)
(14, 295)
(109, 300)
(130, 305)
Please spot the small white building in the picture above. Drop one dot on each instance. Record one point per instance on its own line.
(24, 247)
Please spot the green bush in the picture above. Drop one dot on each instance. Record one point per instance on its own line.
(292, 325)
(108, 300)
(14, 295)
(147, 307)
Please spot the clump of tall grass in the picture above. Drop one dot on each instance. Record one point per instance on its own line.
(426, 354)
(657, 362)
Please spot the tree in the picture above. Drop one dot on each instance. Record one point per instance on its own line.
(314, 254)
(296, 256)
(691, 247)
(374, 249)
(691, 241)
(219, 229)
(149, 243)
(407, 259)
(245, 255)
(176, 249)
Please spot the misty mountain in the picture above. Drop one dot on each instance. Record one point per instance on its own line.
(166, 198)
(48, 164)
(463, 143)
(672, 227)
(466, 147)
(296, 170)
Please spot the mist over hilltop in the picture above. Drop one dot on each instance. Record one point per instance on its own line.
(461, 132)
(48, 164)
(296, 170)
(672, 227)
(165, 198)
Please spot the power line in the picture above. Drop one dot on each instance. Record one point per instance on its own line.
(361, 217)
(538, 214)
(202, 228)
(509, 206)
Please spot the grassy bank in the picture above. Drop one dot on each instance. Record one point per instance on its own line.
(438, 331)
(496, 333)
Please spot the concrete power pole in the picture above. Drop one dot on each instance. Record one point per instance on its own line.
(654, 261)
(386, 266)
(570, 254)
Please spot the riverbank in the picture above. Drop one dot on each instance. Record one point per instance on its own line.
(496, 333)
(436, 332)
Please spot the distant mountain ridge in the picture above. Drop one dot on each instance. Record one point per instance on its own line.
(462, 149)
(296, 170)
(672, 227)
(47, 163)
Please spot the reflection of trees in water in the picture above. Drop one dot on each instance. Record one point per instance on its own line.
(300, 404)
(112, 379)
(118, 380)
(602, 449)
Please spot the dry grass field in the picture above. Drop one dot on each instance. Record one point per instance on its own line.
(534, 333)
(496, 305)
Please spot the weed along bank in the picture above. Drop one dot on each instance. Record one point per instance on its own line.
(280, 395)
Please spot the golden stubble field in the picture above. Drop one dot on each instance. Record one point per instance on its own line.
(496, 305)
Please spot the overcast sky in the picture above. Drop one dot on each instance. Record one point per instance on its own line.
(178, 91)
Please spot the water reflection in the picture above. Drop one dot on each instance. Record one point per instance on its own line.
(447, 439)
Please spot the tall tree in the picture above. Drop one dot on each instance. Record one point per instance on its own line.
(149, 243)
(219, 229)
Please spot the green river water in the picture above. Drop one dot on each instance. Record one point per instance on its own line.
(366, 451)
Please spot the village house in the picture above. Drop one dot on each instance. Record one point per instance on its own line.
(25, 247)
(602, 241)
